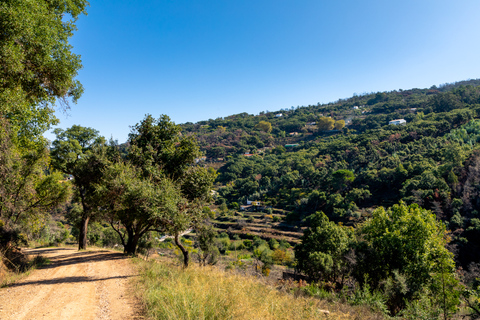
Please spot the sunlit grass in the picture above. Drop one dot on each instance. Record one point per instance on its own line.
(170, 292)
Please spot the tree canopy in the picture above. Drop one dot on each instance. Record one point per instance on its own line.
(325, 123)
(321, 254)
(81, 153)
(159, 187)
(38, 65)
(407, 241)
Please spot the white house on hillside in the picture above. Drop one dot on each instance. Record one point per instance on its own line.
(396, 122)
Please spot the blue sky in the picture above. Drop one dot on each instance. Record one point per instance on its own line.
(195, 60)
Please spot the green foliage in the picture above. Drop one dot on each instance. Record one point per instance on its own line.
(28, 191)
(364, 295)
(273, 244)
(468, 134)
(208, 251)
(159, 188)
(38, 66)
(339, 125)
(264, 126)
(324, 245)
(410, 242)
(81, 153)
(325, 123)
(136, 203)
(341, 178)
(223, 244)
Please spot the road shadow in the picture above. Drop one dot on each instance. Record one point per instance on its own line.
(71, 256)
(40, 251)
(81, 257)
(66, 280)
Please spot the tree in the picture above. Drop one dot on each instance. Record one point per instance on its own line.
(321, 253)
(208, 252)
(27, 190)
(342, 178)
(38, 66)
(340, 124)
(135, 205)
(158, 148)
(80, 152)
(264, 126)
(160, 188)
(325, 123)
(410, 241)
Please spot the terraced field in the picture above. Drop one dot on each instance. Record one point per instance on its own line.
(249, 224)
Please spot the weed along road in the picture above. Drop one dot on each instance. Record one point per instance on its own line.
(92, 284)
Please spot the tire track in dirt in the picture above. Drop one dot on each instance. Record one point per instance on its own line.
(91, 284)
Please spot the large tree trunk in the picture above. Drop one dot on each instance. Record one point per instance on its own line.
(184, 251)
(82, 237)
(131, 247)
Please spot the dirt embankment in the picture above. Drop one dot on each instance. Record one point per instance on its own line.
(85, 285)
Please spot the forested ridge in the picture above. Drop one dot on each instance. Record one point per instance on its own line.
(431, 161)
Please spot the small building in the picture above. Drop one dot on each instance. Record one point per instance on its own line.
(293, 133)
(291, 145)
(278, 115)
(311, 123)
(397, 122)
(248, 154)
(355, 107)
(204, 158)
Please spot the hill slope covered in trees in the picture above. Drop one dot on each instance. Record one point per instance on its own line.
(432, 160)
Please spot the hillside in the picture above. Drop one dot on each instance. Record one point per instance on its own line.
(432, 160)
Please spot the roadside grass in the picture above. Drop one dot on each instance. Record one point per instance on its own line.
(170, 292)
(13, 270)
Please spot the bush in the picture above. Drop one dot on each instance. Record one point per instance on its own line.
(222, 244)
(316, 291)
(373, 299)
(273, 243)
(248, 244)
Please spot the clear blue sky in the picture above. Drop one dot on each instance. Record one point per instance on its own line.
(194, 60)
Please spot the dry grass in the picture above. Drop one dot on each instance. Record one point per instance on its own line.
(17, 268)
(170, 292)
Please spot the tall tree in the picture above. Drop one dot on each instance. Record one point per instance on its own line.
(38, 66)
(80, 152)
(161, 188)
(27, 190)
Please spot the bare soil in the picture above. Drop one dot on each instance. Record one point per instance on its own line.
(92, 284)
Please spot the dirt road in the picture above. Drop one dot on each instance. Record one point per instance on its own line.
(85, 285)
